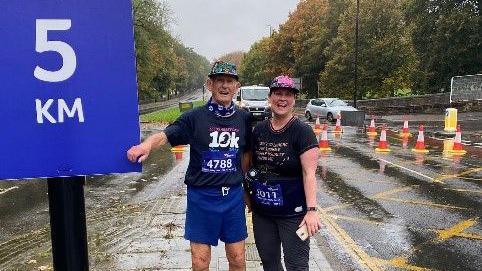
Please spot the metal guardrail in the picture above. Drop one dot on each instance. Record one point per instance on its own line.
(149, 108)
(153, 107)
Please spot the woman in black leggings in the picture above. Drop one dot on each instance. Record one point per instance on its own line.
(282, 182)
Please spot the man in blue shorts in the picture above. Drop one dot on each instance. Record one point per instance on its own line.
(219, 138)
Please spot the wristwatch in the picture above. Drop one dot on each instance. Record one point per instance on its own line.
(311, 209)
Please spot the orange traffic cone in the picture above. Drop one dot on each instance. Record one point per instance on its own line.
(324, 146)
(371, 129)
(338, 129)
(178, 150)
(458, 149)
(317, 128)
(383, 144)
(405, 131)
(420, 146)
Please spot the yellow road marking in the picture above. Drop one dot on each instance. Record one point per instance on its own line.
(426, 203)
(469, 235)
(335, 207)
(456, 229)
(468, 178)
(348, 243)
(401, 262)
(445, 177)
(391, 192)
(376, 223)
(465, 190)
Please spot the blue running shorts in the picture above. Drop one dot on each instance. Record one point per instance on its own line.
(215, 213)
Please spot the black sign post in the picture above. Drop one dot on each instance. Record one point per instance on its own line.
(67, 223)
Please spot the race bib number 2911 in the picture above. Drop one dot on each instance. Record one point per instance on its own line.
(219, 161)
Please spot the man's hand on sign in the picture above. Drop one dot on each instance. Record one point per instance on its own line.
(138, 153)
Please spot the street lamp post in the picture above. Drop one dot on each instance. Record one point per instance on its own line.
(270, 30)
(355, 96)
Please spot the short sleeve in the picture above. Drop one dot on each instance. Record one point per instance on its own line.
(305, 139)
(178, 132)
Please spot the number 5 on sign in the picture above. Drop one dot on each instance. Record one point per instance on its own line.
(42, 44)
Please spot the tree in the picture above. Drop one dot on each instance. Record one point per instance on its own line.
(164, 65)
(254, 67)
(233, 57)
(447, 41)
(386, 58)
(305, 32)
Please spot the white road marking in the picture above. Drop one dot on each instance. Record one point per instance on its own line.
(8, 190)
(407, 169)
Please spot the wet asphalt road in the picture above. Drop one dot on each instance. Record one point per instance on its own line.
(395, 211)
(401, 211)
(111, 201)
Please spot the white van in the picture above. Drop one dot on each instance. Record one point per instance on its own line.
(254, 99)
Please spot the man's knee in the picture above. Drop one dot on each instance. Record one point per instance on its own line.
(200, 262)
(236, 255)
(200, 256)
(237, 259)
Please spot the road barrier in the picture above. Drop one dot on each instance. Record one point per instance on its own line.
(178, 151)
(353, 118)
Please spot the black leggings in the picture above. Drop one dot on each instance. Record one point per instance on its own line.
(270, 233)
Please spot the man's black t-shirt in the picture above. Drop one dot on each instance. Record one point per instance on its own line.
(216, 145)
(276, 153)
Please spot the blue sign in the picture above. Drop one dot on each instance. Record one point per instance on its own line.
(68, 98)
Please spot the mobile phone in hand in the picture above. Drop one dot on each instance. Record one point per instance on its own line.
(302, 232)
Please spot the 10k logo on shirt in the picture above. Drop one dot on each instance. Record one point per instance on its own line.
(224, 139)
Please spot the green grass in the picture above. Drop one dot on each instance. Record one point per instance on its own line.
(168, 115)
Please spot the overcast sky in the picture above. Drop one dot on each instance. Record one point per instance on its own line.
(216, 27)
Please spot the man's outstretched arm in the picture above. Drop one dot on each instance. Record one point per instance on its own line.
(139, 153)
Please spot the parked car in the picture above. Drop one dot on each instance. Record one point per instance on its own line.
(254, 99)
(327, 108)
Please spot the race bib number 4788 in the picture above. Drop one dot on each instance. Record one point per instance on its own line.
(219, 161)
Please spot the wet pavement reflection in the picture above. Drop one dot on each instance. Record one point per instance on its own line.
(110, 201)
(382, 211)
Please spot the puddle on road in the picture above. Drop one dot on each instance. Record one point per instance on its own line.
(443, 255)
(432, 191)
(351, 195)
(107, 198)
(423, 248)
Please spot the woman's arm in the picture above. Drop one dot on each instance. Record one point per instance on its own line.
(246, 161)
(309, 163)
